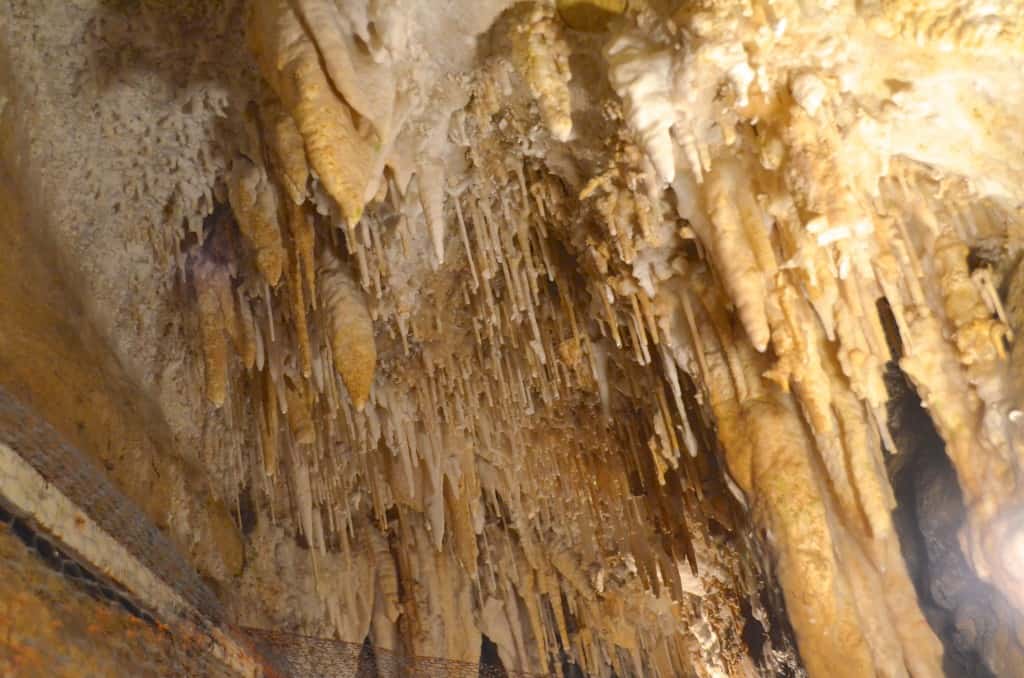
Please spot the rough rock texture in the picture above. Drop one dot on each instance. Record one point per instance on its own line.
(543, 322)
(55, 359)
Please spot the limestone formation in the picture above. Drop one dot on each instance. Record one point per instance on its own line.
(573, 326)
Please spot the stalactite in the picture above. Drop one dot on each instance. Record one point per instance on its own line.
(285, 146)
(254, 201)
(740, 273)
(351, 339)
(543, 58)
(289, 62)
(640, 72)
(209, 281)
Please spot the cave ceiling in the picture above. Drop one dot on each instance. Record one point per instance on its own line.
(609, 331)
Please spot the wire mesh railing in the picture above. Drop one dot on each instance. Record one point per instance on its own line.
(79, 479)
(64, 613)
(305, 656)
(58, 618)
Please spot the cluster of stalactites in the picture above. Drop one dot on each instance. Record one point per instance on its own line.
(299, 126)
(522, 530)
(748, 222)
(790, 217)
(804, 224)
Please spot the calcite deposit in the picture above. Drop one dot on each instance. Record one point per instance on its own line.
(569, 325)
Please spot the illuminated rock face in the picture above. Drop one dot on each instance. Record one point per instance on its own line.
(564, 324)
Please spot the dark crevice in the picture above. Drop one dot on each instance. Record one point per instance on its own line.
(960, 608)
(928, 518)
(490, 662)
(246, 515)
(763, 645)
